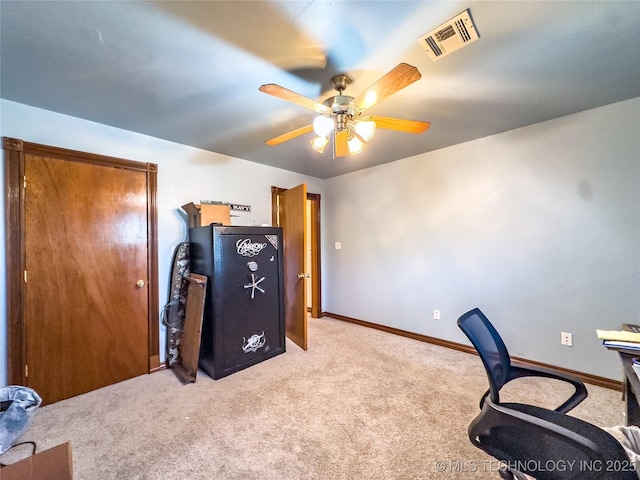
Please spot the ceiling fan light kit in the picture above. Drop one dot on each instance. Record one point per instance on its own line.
(322, 126)
(365, 129)
(360, 131)
(355, 145)
(319, 143)
(340, 116)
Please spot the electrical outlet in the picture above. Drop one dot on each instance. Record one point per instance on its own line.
(566, 339)
(436, 314)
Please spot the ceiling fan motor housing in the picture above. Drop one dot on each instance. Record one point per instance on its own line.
(341, 110)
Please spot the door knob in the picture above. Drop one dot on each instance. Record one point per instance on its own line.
(140, 283)
(304, 275)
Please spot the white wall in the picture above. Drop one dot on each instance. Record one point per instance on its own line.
(539, 227)
(185, 174)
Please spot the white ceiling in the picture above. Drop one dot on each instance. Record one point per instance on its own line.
(189, 72)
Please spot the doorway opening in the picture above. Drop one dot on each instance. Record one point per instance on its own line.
(312, 227)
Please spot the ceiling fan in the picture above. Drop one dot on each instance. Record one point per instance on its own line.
(341, 115)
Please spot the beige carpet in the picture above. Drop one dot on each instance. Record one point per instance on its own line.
(360, 404)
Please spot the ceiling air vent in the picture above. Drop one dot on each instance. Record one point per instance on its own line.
(450, 36)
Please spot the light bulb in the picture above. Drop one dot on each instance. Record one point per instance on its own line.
(355, 145)
(370, 100)
(322, 126)
(319, 143)
(365, 128)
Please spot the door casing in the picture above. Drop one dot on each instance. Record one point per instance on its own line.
(15, 151)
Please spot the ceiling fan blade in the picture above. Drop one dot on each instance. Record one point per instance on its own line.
(409, 126)
(340, 143)
(289, 135)
(293, 97)
(398, 78)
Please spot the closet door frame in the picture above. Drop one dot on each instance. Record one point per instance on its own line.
(14, 157)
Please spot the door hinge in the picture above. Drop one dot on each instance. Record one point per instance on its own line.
(26, 370)
(24, 182)
(25, 276)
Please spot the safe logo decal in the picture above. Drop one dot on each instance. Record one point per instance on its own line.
(248, 249)
(254, 343)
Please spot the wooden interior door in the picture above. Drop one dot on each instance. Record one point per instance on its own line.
(88, 287)
(293, 211)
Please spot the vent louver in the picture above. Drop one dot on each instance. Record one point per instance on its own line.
(450, 36)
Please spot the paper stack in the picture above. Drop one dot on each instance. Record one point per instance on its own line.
(620, 339)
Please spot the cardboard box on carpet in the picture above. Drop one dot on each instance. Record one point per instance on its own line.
(52, 464)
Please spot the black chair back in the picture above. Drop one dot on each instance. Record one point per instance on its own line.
(490, 348)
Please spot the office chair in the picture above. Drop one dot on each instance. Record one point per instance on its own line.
(546, 444)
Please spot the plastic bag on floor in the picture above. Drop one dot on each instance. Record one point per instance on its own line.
(17, 406)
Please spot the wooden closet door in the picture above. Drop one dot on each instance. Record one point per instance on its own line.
(86, 292)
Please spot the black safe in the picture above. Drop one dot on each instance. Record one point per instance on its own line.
(243, 322)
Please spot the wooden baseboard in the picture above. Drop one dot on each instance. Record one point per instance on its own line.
(585, 377)
(162, 366)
